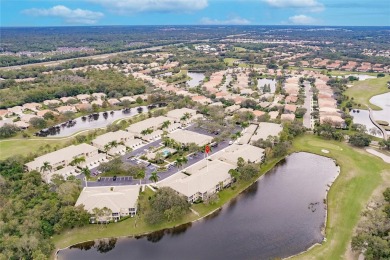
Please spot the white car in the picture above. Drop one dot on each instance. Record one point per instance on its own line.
(230, 142)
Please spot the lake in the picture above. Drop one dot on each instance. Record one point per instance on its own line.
(382, 101)
(196, 79)
(361, 76)
(281, 214)
(92, 121)
(271, 82)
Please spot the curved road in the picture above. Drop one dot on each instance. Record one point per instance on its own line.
(376, 124)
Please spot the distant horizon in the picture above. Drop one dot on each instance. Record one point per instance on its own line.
(47, 13)
(202, 25)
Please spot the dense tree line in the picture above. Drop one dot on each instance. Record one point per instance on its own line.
(372, 238)
(31, 211)
(63, 84)
(166, 205)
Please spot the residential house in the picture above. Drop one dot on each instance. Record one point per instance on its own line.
(122, 201)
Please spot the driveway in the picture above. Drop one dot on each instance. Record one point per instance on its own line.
(307, 104)
(128, 180)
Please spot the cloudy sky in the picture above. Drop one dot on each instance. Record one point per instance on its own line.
(189, 12)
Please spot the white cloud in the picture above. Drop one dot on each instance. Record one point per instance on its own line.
(75, 16)
(137, 6)
(309, 5)
(302, 20)
(232, 21)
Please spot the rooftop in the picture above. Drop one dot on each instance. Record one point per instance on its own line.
(114, 198)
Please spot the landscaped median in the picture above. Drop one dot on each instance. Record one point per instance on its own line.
(360, 175)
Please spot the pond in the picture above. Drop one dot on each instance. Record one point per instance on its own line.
(271, 82)
(382, 101)
(281, 214)
(92, 121)
(196, 79)
(361, 76)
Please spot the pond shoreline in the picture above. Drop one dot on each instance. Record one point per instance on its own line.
(262, 175)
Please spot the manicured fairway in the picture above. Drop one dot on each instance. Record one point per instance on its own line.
(361, 173)
(12, 147)
(362, 91)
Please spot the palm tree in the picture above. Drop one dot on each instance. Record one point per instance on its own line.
(165, 124)
(140, 175)
(179, 163)
(86, 171)
(77, 161)
(184, 159)
(46, 167)
(234, 174)
(167, 141)
(154, 177)
(106, 148)
(240, 162)
(113, 143)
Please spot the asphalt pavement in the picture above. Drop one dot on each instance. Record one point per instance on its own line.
(171, 168)
(308, 106)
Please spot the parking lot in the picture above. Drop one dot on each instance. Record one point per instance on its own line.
(133, 159)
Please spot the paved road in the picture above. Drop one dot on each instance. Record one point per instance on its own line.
(128, 180)
(308, 105)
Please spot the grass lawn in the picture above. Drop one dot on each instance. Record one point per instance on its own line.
(362, 91)
(360, 175)
(239, 49)
(137, 226)
(12, 147)
(229, 61)
(130, 226)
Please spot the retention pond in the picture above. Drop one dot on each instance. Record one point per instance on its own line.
(280, 215)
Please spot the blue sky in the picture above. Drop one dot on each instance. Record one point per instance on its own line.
(177, 12)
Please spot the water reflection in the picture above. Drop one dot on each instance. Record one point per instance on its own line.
(102, 245)
(106, 245)
(196, 79)
(91, 121)
(282, 214)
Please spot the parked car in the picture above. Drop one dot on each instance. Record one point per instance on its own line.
(230, 142)
(99, 178)
(114, 178)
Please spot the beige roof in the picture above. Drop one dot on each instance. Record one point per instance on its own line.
(117, 199)
(247, 134)
(203, 180)
(67, 153)
(233, 152)
(287, 117)
(64, 172)
(187, 137)
(232, 108)
(266, 129)
(153, 122)
(22, 124)
(43, 112)
(118, 136)
(273, 114)
(179, 113)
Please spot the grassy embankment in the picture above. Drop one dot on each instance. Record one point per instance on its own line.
(360, 175)
(13, 147)
(128, 228)
(362, 91)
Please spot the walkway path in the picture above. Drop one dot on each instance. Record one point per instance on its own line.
(384, 157)
(376, 124)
